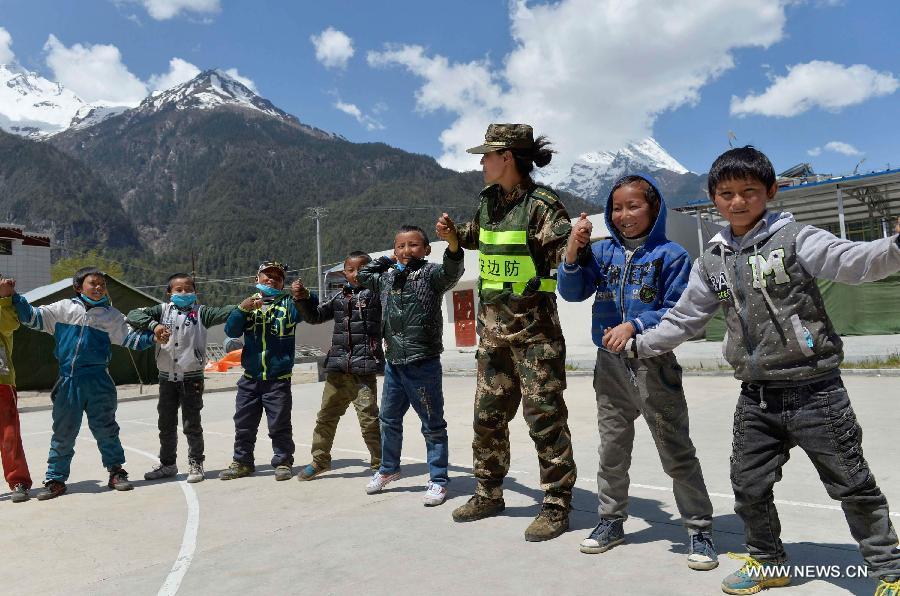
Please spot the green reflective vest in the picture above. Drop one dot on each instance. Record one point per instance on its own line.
(504, 260)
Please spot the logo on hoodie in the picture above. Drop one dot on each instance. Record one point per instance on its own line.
(720, 287)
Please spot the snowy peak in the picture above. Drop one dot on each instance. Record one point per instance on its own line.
(209, 90)
(592, 174)
(32, 106)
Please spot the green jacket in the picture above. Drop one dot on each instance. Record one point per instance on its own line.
(411, 304)
(9, 322)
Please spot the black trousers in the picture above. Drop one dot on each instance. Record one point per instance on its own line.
(189, 396)
(254, 396)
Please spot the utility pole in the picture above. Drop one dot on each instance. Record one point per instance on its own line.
(317, 213)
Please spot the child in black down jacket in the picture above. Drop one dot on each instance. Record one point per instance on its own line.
(353, 360)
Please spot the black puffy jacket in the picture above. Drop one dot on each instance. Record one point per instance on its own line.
(413, 323)
(356, 343)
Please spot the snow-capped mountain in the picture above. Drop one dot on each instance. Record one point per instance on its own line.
(32, 106)
(214, 89)
(592, 174)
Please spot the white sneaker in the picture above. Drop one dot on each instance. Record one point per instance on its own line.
(195, 472)
(379, 481)
(161, 471)
(435, 494)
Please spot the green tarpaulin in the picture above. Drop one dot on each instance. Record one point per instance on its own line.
(866, 309)
(36, 368)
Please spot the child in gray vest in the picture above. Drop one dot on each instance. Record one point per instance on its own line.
(762, 272)
(181, 326)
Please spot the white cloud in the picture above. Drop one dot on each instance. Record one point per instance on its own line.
(162, 10)
(245, 81)
(180, 71)
(822, 84)
(836, 147)
(6, 54)
(353, 110)
(94, 72)
(333, 48)
(581, 74)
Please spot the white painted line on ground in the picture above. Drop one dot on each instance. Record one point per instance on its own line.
(594, 480)
(188, 540)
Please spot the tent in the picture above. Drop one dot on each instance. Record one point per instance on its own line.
(36, 368)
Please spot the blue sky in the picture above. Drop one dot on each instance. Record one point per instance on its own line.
(588, 73)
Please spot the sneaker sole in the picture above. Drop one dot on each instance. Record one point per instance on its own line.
(770, 583)
(19, 499)
(435, 503)
(195, 480)
(702, 565)
(302, 478)
(485, 515)
(596, 550)
(122, 488)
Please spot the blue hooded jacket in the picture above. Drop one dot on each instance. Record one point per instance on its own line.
(639, 291)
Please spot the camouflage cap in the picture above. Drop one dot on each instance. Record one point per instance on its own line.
(505, 136)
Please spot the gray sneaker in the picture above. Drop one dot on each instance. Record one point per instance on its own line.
(283, 472)
(19, 494)
(195, 472)
(607, 534)
(161, 471)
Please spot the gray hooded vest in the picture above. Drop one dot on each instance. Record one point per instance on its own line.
(185, 352)
(777, 327)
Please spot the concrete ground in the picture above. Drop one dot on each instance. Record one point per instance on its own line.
(254, 535)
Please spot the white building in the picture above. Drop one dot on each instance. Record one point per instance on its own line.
(461, 303)
(24, 256)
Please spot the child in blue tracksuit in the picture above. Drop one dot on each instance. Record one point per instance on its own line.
(635, 276)
(85, 327)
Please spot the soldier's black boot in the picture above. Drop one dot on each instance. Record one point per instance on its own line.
(551, 522)
(477, 508)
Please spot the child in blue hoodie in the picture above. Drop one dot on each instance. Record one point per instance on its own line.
(635, 277)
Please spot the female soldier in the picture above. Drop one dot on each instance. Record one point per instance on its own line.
(521, 229)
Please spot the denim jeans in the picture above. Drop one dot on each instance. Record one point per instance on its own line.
(819, 419)
(418, 384)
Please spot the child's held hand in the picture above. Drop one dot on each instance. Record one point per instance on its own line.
(615, 338)
(7, 287)
(579, 238)
(161, 334)
(298, 290)
(251, 303)
(445, 228)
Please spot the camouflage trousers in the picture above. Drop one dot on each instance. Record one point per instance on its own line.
(535, 375)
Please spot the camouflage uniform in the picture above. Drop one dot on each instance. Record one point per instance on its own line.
(521, 354)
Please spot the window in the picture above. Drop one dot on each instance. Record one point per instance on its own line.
(5, 247)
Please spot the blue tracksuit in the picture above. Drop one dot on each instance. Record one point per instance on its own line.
(640, 289)
(84, 337)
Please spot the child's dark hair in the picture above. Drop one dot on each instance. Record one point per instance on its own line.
(407, 228)
(180, 275)
(650, 192)
(83, 273)
(739, 164)
(538, 155)
(358, 254)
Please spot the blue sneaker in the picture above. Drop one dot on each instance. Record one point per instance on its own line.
(312, 470)
(888, 586)
(703, 555)
(754, 576)
(607, 534)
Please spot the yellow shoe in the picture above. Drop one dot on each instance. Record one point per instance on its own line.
(755, 576)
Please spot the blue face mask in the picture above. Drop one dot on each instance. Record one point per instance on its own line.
(269, 291)
(183, 300)
(399, 266)
(102, 302)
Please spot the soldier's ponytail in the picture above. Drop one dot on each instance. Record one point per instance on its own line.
(538, 155)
